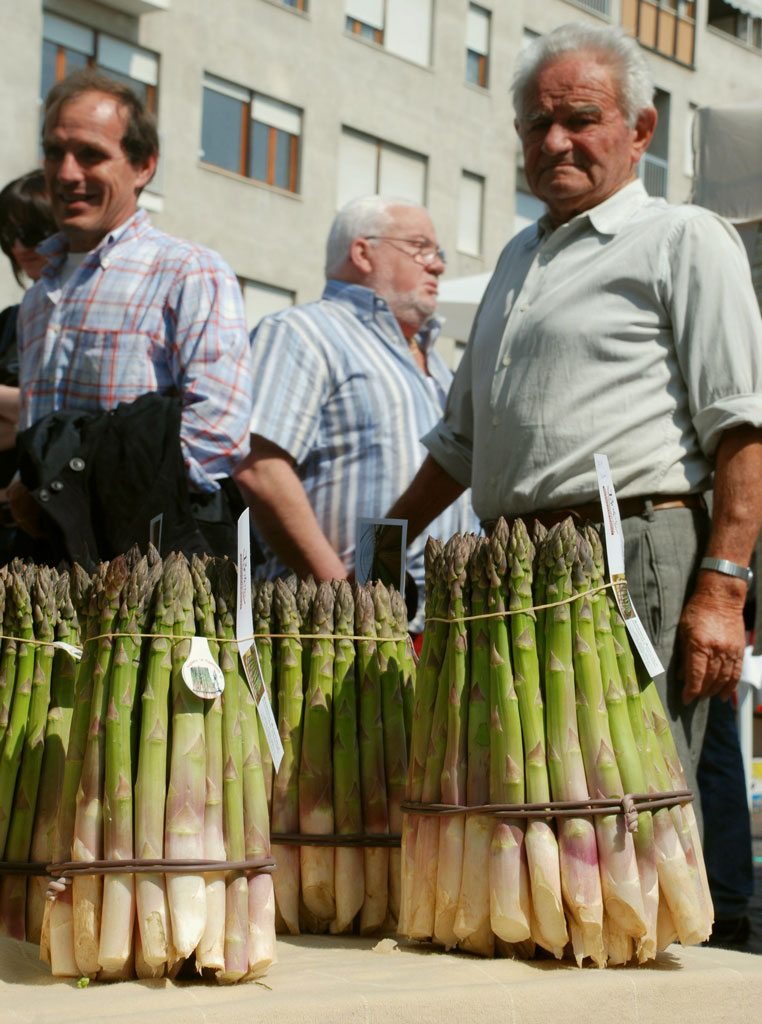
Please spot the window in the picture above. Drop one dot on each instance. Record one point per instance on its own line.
(263, 299)
(739, 19)
(298, 5)
(403, 27)
(666, 26)
(368, 166)
(477, 45)
(67, 45)
(597, 6)
(689, 123)
(654, 164)
(250, 134)
(470, 207)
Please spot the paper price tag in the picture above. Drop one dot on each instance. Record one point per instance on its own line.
(202, 675)
(253, 671)
(75, 652)
(244, 628)
(612, 525)
(154, 531)
(244, 622)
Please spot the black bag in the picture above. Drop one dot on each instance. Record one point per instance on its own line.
(100, 478)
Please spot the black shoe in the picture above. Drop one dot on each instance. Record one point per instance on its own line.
(730, 932)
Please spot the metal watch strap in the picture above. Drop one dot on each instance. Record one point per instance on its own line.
(727, 567)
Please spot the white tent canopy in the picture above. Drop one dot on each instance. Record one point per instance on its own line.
(457, 303)
(727, 144)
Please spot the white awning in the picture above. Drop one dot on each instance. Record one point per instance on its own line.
(752, 7)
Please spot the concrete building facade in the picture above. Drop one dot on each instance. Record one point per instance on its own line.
(274, 112)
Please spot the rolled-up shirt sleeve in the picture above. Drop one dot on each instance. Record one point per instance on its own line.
(716, 327)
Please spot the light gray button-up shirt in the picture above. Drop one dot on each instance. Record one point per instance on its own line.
(631, 330)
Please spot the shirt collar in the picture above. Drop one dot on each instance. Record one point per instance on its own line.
(56, 248)
(607, 218)
(365, 304)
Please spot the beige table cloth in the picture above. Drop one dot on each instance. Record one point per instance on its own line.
(323, 980)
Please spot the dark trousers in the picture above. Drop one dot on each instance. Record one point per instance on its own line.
(727, 825)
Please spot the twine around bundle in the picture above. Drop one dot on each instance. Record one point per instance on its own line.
(525, 610)
(630, 805)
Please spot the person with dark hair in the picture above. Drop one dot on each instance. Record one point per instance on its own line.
(123, 310)
(25, 221)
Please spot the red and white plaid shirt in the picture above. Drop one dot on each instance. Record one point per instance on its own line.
(144, 312)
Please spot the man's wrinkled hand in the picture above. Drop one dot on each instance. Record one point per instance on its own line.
(25, 510)
(712, 642)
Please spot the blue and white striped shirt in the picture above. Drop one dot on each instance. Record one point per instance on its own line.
(336, 386)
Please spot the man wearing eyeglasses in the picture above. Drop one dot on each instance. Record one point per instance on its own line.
(344, 388)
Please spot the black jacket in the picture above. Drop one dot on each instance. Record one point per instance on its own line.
(100, 478)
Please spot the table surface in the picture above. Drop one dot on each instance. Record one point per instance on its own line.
(328, 980)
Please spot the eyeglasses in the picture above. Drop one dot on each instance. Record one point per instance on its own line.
(426, 252)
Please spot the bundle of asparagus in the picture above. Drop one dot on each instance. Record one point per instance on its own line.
(343, 675)
(516, 706)
(119, 760)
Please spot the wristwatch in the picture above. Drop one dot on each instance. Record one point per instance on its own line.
(729, 568)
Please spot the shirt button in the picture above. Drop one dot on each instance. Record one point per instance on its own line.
(524, 307)
(506, 360)
(105, 262)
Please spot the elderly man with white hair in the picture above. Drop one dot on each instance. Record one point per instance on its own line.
(619, 324)
(344, 389)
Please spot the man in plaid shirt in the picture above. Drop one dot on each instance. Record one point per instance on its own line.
(123, 309)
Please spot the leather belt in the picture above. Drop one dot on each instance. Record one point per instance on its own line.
(591, 510)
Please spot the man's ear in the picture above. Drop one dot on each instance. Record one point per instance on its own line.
(146, 171)
(643, 132)
(359, 255)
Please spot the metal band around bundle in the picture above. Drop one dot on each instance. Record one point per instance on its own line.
(631, 804)
(23, 867)
(359, 839)
(67, 869)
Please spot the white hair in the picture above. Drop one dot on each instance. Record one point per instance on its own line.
(612, 45)
(361, 217)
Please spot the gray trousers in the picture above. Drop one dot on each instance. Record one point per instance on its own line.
(662, 553)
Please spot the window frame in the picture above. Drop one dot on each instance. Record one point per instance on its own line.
(245, 152)
(746, 40)
(355, 27)
(91, 59)
(380, 146)
(481, 181)
(663, 12)
(483, 59)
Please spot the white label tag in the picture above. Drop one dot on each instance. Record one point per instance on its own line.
(244, 628)
(380, 551)
(612, 526)
(75, 652)
(202, 675)
(244, 621)
(253, 670)
(154, 531)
